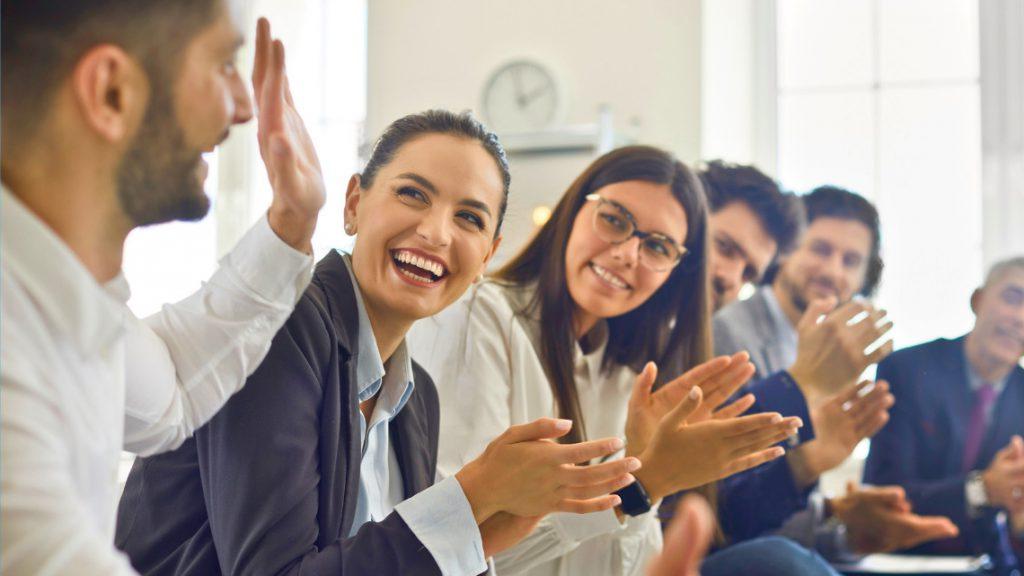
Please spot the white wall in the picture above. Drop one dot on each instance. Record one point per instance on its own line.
(642, 58)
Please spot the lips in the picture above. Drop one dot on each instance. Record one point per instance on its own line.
(418, 266)
(609, 277)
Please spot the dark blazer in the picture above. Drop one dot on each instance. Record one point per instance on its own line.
(270, 484)
(922, 446)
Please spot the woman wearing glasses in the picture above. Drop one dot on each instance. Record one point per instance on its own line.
(616, 278)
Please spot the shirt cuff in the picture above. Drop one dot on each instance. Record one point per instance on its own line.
(270, 268)
(442, 519)
(780, 393)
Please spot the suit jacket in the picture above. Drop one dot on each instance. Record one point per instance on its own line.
(922, 446)
(270, 484)
(749, 325)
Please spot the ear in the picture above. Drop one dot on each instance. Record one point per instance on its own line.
(353, 194)
(111, 90)
(976, 300)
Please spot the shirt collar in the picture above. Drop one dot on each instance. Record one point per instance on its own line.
(394, 384)
(66, 293)
(976, 381)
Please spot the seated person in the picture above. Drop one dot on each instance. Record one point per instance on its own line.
(953, 441)
(324, 463)
(750, 218)
(572, 326)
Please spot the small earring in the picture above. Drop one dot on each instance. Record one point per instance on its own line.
(348, 228)
(479, 278)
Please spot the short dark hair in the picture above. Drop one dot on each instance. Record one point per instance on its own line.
(43, 40)
(781, 213)
(835, 202)
(464, 125)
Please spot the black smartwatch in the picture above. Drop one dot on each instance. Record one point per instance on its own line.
(635, 500)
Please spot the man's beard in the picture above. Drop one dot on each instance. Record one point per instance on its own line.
(158, 179)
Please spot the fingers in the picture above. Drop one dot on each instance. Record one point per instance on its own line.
(677, 417)
(921, 529)
(815, 310)
(762, 439)
(695, 377)
(754, 422)
(588, 506)
(539, 429)
(721, 388)
(598, 473)
(872, 327)
(891, 497)
(643, 383)
(738, 465)
(880, 353)
(738, 407)
(587, 451)
(596, 490)
(851, 393)
(849, 311)
(262, 56)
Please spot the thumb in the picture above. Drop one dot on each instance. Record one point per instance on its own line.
(1018, 445)
(815, 310)
(539, 429)
(643, 384)
(677, 417)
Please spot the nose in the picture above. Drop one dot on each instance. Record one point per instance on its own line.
(728, 273)
(241, 101)
(627, 252)
(434, 229)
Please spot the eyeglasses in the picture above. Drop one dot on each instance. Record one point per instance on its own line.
(615, 225)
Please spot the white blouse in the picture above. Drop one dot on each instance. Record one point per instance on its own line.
(482, 355)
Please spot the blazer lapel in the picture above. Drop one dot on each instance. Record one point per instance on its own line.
(409, 435)
(958, 399)
(1006, 418)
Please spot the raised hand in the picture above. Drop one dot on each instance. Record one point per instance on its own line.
(523, 472)
(840, 423)
(285, 146)
(718, 378)
(681, 456)
(831, 352)
(1004, 477)
(879, 519)
(687, 539)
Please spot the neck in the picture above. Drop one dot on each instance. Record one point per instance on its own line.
(988, 367)
(389, 329)
(75, 200)
(786, 303)
(583, 323)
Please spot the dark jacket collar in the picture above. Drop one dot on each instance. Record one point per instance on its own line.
(335, 283)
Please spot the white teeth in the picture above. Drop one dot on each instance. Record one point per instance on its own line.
(422, 263)
(607, 276)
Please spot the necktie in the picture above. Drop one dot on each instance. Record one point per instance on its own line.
(983, 398)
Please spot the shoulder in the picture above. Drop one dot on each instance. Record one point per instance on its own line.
(925, 353)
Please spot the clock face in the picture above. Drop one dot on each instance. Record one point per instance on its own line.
(520, 96)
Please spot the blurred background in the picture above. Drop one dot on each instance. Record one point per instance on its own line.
(916, 104)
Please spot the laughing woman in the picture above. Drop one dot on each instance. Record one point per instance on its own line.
(616, 278)
(324, 464)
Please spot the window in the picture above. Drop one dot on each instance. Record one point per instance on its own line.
(883, 98)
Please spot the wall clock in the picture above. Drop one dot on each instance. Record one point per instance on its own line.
(521, 96)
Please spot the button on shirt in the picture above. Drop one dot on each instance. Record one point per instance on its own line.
(83, 378)
(440, 516)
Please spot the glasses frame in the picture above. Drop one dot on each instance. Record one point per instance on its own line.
(601, 201)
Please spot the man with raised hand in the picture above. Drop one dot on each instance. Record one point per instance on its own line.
(108, 106)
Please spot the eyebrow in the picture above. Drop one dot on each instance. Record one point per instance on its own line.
(732, 241)
(470, 202)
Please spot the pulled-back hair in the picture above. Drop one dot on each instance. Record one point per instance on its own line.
(672, 327)
(780, 213)
(410, 127)
(43, 40)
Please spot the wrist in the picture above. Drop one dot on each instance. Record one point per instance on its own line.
(806, 383)
(473, 486)
(800, 467)
(651, 479)
(293, 228)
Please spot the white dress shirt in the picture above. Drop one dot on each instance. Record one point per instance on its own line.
(482, 353)
(83, 378)
(440, 516)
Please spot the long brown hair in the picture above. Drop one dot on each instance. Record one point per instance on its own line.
(673, 327)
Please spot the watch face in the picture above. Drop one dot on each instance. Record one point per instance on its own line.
(520, 96)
